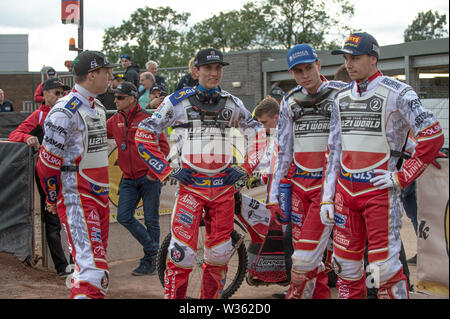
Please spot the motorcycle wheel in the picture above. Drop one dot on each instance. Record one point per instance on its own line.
(237, 266)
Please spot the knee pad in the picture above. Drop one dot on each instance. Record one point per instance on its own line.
(382, 271)
(303, 261)
(220, 254)
(348, 269)
(181, 254)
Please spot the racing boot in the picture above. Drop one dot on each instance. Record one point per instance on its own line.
(302, 284)
(395, 288)
(213, 280)
(322, 290)
(351, 289)
(176, 281)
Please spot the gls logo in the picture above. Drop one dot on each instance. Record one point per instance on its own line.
(156, 164)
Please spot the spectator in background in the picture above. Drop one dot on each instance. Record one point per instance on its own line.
(5, 104)
(277, 93)
(31, 132)
(152, 67)
(157, 95)
(38, 94)
(147, 81)
(190, 79)
(342, 74)
(131, 71)
(138, 181)
(107, 98)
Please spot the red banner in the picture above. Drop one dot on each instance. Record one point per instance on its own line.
(70, 11)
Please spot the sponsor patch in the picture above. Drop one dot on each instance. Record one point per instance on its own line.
(352, 41)
(73, 104)
(297, 219)
(155, 163)
(105, 280)
(96, 235)
(51, 188)
(299, 173)
(177, 253)
(50, 158)
(189, 201)
(340, 220)
(99, 190)
(363, 177)
(145, 135)
(209, 182)
(180, 95)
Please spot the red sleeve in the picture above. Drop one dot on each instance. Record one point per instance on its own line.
(109, 127)
(48, 168)
(38, 94)
(21, 133)
(149, 150)
(429, 143)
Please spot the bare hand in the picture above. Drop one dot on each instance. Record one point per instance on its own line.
(33, 141)
(52, 209)
(154, 103)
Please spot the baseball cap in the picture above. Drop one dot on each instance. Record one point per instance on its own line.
(208, 56)
(158, 88)
(301, 53)
(127, 88)
(54, 83)
(358, 44)
(88, 61)
(51, 72)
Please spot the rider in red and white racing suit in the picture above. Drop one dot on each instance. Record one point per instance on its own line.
(73, 168)
(202, 117)
(303, 127)
(361, 186)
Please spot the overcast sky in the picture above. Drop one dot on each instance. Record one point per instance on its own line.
(48, 37)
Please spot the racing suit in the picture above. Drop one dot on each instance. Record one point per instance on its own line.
(304, 131)
(203, 141)
(369, 125)
(73, 167)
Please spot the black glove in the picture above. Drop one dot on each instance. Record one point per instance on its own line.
(235, 173)
(184, 175)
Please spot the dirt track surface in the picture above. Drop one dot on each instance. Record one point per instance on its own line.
(19, 281)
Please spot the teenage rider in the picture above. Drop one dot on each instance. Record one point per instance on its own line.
(202, 117)
(303, 127)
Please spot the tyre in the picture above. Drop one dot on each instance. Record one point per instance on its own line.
(237, 265)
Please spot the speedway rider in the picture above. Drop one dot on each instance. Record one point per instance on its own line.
(361, 186)
(201, 117)
(303, 127)
(73, 168)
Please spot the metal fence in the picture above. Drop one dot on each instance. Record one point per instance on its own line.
(172, 76)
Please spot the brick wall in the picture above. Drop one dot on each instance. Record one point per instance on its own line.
(245, 67)
(19, 87)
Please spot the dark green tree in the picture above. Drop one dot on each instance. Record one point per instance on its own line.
(150, 34)
(426, 26)
(317, 22)
(231, 31)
